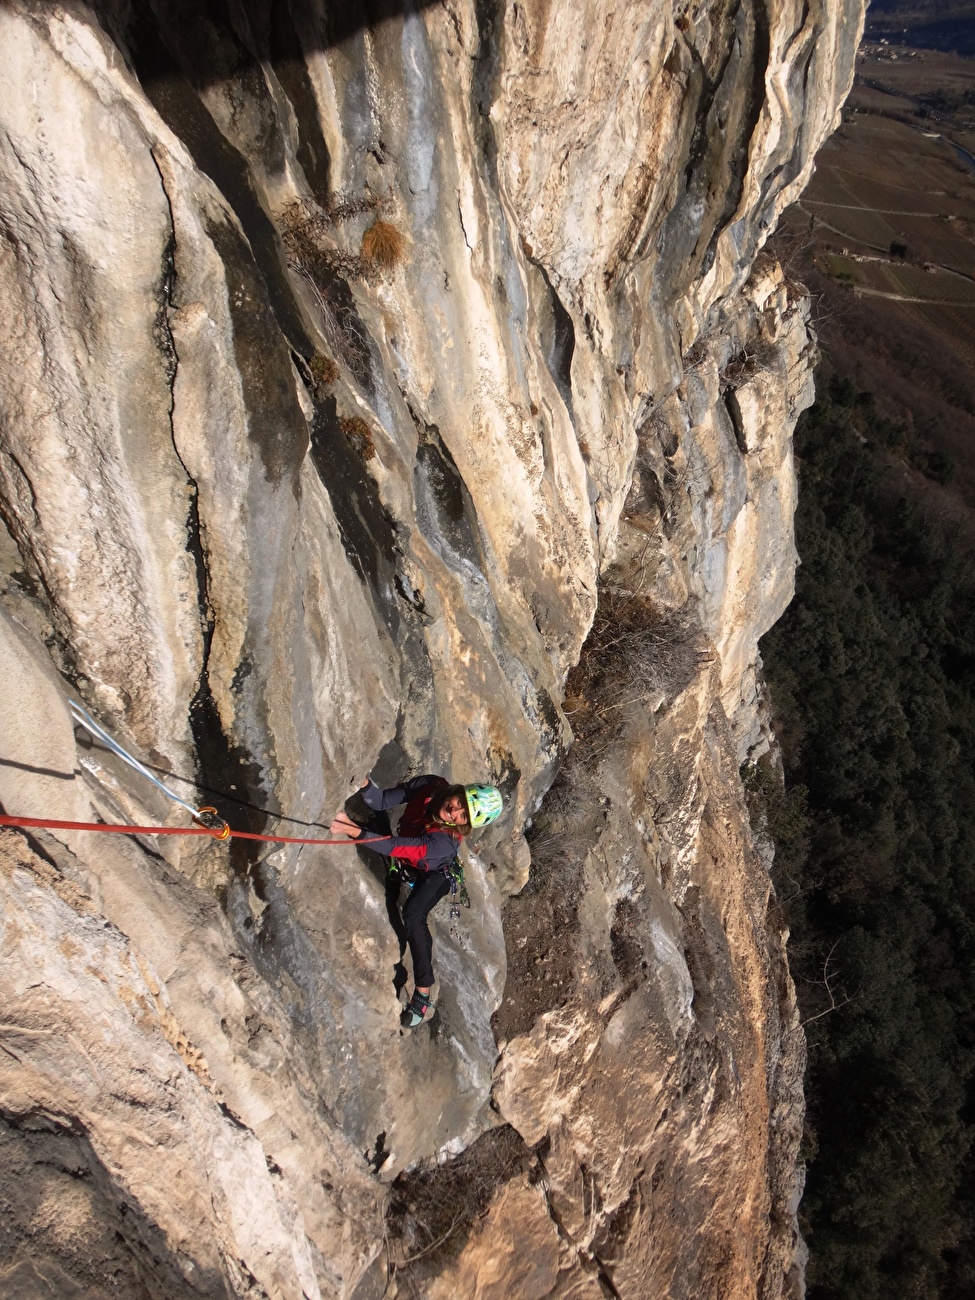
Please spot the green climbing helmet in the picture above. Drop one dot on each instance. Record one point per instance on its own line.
(483, 803)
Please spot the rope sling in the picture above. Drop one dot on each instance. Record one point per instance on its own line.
(210, 823)
(223, 832)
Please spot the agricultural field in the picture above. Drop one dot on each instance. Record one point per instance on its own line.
(927, 86)
(954, 323)
(857, 225)
(884, 237)
(947, 241)
(895, 189)
(901, 280)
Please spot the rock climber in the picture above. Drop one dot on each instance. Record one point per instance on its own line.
(436, 818)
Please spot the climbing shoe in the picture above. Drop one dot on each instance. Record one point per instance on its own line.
(418, 1009)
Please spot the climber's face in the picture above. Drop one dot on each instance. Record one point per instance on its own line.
(453, 811)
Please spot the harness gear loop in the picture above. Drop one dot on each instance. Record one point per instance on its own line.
(454, 872)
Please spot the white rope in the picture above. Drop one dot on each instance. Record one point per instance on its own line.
(85, 720)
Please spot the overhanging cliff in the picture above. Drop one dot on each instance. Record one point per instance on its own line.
(345, 355)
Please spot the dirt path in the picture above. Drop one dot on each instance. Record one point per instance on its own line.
(859, 207)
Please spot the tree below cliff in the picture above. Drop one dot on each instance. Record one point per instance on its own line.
(872, 673)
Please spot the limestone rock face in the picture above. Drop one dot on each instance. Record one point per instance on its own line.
(345, 351)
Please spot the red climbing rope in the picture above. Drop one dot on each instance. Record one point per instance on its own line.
(222, 832)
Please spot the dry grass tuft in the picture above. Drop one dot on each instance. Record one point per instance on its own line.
(359, 436)
(383, 246)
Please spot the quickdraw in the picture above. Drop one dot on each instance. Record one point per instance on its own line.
(458, 888)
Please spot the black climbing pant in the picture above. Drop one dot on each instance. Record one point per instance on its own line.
(429, 887)
(424, 897)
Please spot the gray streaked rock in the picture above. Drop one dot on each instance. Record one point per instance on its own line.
(283, 521)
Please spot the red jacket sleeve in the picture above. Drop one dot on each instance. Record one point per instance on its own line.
(430, 852)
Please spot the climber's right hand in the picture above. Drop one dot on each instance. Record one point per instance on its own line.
(344, 825)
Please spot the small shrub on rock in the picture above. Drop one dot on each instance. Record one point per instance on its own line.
(324, 373)
(359, 436)
(309, 244)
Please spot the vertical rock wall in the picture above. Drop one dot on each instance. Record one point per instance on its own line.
(283, 517)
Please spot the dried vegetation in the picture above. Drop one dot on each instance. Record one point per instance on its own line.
(745, 363)
(309, 237)
(432, 1211)
(637, 655)
(324, 373)
(359, 436)
(383, 246)
(308, 232)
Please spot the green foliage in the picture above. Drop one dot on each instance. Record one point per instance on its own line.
(872, 672)
(782, 813)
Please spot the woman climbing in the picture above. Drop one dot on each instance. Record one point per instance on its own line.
(436, 818)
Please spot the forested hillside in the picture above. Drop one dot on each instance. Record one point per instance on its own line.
(872, 673)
